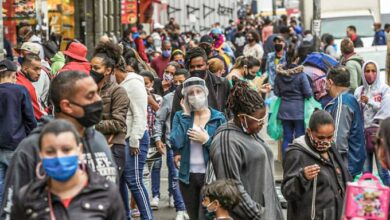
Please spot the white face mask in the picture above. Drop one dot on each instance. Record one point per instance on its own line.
(197, 101)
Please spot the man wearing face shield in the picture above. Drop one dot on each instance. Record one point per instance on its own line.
(196, 63)
(313, 167)
(192, 129)
(75, 98)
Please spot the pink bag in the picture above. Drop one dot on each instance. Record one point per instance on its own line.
(366, 199)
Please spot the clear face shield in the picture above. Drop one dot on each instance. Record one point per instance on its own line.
(195, 94)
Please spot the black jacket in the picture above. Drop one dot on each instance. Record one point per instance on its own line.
(97, 201)
(22, 168)
(299, 192)
(218, 94)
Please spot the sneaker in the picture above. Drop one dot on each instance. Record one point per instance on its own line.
(182, 215)
(135, 213)
(154, 203)
(171, 203)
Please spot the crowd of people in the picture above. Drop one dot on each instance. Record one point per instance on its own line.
(78, 133)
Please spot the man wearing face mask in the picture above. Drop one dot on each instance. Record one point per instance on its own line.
(196, 62)
(159, 63)
(206, 43)
(30, 72)
(312, 161)
(275, 58)
(349, 133)
(75, 98)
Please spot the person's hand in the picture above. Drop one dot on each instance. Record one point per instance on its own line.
(266, 88)
(310, 172)
(185, 108)
(134, 151)
(364, 99)
(160, 147)
(198, 136)
(177, 160)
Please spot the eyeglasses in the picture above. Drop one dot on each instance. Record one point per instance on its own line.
(260, 121)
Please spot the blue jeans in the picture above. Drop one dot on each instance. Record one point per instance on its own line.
(383, 173)
(173, 182)
(133, 176)
(291, 129)
(123, 187)
(156, 176)
(5, 159)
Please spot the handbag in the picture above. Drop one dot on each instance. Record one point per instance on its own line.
(367, 199)
(370, 137)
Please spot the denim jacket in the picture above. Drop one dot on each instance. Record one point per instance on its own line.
(271, 66)
(180, 141)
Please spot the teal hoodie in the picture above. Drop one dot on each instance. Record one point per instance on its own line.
(58, 61)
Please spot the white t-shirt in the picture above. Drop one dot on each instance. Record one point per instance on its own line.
(197, 163)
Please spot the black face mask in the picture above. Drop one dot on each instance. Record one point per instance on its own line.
(249, 76)
(97, 77)
(92, 113)
(278, 47)
(251, 40)
(199, 73)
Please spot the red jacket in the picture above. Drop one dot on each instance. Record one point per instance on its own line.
(22, 80)
(139, 43)
(75, 65)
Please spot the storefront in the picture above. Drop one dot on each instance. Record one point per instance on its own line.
(61, 20)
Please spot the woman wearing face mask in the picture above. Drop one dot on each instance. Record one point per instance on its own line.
(166, 82)
(246, 68)
(370, 96)
(192, 129)
(179, 57)
(238, 153)
(293, 87)
(115, 100)
(315, 176)
(66, 186)
(253, 47)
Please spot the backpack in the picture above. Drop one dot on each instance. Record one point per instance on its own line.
(321, 61)
(316, 67)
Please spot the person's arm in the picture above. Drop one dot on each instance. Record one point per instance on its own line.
(29, 120)
(227, 160)
(353, 67)
(180, 127)
(306, 88)
(141, 49)
(18, 211)
(344, 119)
(161, 117)
(294, 184)
(138, 101)
(20, 172)
(116, 210)
(176, 102)
(119, 108)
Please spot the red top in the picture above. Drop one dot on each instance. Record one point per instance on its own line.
(159, 64)
(22, 80)
(74, 65)
(139, 43)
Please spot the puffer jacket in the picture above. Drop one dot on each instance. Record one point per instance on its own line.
(293, 87)
(115, 107)
(375, 93)
(299, 192)
(97, 201)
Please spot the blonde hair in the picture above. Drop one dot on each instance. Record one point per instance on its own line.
(215, 65)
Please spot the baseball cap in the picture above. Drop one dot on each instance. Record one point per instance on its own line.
(157, 26)
(30, 47)
(206, 39)
(7, 65)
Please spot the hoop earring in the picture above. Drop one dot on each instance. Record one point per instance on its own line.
(37, 169)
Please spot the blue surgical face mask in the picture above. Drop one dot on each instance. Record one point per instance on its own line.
(166, 53)
(61, 168)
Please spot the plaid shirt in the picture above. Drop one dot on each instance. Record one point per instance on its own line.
(152, 115)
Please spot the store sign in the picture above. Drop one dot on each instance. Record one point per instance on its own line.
(129, 11)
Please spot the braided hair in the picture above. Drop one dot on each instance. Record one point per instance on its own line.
(243, 99)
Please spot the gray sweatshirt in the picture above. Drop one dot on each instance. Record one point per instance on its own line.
(163, 117)
(248, 160)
